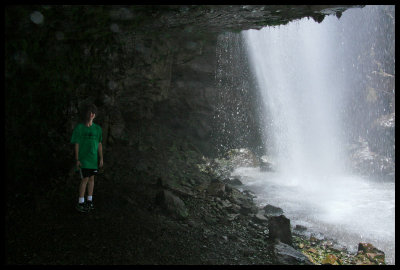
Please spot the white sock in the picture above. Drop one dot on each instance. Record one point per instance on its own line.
(81, 199)
(89, 198)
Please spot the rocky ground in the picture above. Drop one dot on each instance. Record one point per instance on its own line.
(152, 224)
(127, 227)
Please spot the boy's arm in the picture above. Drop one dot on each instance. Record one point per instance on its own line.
(77, 155)
(101, 154)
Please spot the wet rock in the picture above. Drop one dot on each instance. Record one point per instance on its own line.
(384, 129)
(266, 165)
(327, 243)
(182, 190)
(337, 247)
(238, 197)
(242, 158)
(249, 193)
(210, 220)
(285, 254)
(367, 161)
(300, 228)
(312, 250)
(368, 252)
(247, 208)
(271, 210)
(235, 208)
(173, 204)
(235, 181)
(313, 239)
(232, 217)
(193, 224)
(216, 188)
(226, 204)
(202, 187)
(378, 258)
(248, 252)
(368, 248)
(228, 188)
(331, 259)
(279, 229)
(260, 218)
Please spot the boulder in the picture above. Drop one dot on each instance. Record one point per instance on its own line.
(249, 193)
(368, 252)
(246, 208)
(331, 259)
(260, 218)
(271, 210)
(300, 228)
(279, 229)
(173, 204)
(216, 188)
(234, 182)
(266, 167)
(368, 248)
(287, 255)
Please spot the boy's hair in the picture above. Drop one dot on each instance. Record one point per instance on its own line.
(86, 110)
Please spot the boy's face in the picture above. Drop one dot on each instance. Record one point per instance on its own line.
(92, 115)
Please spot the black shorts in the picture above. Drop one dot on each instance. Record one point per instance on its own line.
(88, 172)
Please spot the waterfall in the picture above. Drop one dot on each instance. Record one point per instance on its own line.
(311, 78)
(295, 69)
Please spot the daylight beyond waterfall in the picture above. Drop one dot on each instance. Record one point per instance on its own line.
(308, 75)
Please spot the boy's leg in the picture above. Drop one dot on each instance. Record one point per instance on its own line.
(82, 187)
(90, 192)
(90, 185)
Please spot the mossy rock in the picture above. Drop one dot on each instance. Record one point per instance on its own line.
(331, 259)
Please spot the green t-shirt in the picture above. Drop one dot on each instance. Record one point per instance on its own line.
(88, 139)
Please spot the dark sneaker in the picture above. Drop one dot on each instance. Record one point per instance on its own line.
(89, 205)
(81, 207)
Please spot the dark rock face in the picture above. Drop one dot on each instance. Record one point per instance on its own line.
(366, 161)
(220, 18)
(383, 130)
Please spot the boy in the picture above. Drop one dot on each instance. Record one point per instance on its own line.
(87, 137)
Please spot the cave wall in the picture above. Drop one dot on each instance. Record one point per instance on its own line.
(149, 69)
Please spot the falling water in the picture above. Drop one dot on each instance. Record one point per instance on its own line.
(294, 67)
(304, 82)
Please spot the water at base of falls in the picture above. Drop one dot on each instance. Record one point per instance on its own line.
(347, 208)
